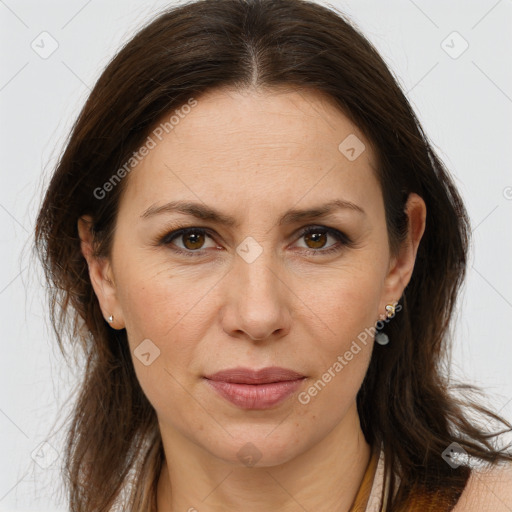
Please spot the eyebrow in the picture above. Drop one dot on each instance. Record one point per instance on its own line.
(201, 211)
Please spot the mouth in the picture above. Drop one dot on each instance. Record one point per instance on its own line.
(255, 389)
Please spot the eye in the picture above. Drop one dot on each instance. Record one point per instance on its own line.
(316, 238)
(192, 240)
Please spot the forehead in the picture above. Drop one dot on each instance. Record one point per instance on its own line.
(237, 142)
(267, 120)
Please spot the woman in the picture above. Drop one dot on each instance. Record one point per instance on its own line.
(261, 254)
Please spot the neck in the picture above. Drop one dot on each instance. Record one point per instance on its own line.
(326, 477)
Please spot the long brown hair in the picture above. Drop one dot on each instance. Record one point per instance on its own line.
(405, 402)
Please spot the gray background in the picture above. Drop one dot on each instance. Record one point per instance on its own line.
(463, 99)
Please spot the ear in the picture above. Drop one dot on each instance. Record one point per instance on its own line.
(402, 264)
(100, 273)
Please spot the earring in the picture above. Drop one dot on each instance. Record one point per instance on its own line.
(390, 310)
(111, 318)
(381, 337)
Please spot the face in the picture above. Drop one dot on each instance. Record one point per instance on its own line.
(265, 282)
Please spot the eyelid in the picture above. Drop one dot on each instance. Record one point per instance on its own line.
(336, 233)
(171, 234)
(177, 232)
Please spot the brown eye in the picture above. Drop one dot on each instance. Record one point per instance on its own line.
(316, 239)
(191, 241)
(195, 240)
(188, 241)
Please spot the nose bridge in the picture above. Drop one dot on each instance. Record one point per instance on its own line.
(256, 269)
(259, 305)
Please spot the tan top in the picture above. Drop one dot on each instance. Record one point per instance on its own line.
(370, 491)
(439, 500)
(379, 487)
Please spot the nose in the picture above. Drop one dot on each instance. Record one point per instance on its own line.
(258, 301)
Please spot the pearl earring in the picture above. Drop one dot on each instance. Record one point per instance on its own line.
(111, 318)
(381, 337)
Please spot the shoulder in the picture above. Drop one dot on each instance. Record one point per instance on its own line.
(487, 490)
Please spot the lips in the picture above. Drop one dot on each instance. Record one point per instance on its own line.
(255, 389)
(249, 376)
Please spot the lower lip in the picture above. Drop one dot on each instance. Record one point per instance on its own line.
(255, 396)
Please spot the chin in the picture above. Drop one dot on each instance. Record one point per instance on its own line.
(259, 448)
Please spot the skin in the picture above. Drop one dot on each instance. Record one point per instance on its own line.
(254, 155)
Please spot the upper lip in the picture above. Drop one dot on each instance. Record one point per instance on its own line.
(267, 375)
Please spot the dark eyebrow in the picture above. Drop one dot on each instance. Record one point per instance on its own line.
(201, 211)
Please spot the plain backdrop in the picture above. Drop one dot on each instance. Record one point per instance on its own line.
(451, 58)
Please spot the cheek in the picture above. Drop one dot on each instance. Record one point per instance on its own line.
(157, 302)
(163, 309)
(345, 302)
(345, 313)
(166, 311)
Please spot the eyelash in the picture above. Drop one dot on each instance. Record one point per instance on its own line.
(342, 238)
